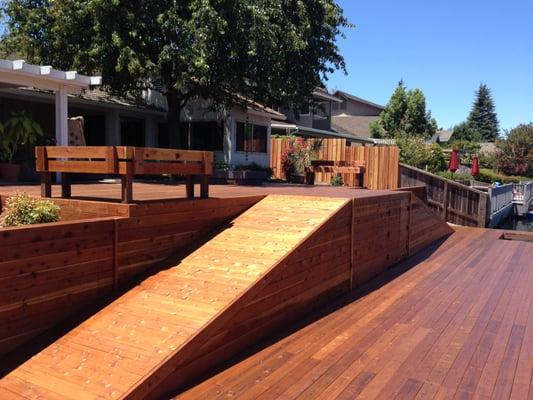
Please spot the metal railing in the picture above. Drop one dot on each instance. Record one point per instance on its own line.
(500, 197)
(522, 192)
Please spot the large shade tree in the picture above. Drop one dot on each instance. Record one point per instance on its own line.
(273, 51)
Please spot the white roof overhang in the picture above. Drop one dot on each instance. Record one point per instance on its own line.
(20, 74)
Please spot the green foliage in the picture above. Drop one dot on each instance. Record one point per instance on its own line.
(490, 176)
(483, 118)
(19, 130)
(194, 48)
(416, 152)
(298, 155)
(336, 180)
(405, 113)
(466, 150)
(221, 166)
(514, 154)
(25, 210)
(463, 131)
(435, 158)
(453, 176)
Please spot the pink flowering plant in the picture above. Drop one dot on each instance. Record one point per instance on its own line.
(298, 155)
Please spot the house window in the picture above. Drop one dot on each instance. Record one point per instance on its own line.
(251, 138)
(202, 135)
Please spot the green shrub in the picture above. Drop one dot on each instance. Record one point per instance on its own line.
(453, 176)
(25, 210)
(489, 176)
(336, 180)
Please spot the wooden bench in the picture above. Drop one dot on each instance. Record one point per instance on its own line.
(125, 161)
(355, 169)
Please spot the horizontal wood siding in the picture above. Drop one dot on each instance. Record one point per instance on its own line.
(381, 171)
(50, 271)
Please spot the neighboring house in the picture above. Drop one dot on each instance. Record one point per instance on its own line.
(353, 115)
(239, 136)
(315, 120)
(442, 136)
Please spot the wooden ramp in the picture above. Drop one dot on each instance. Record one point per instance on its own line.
(283, 256)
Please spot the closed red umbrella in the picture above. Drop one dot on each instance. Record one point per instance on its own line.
(454, 161)
(475, 166)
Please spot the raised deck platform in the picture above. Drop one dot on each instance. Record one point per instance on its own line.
(456, 322)
(278, 262)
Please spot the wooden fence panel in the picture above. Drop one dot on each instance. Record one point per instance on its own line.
(452, 201)
(381, 170)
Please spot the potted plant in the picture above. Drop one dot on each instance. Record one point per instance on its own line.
(297, 157)
(19, 130)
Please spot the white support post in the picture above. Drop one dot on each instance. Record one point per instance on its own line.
(61, 117)
(61, 121)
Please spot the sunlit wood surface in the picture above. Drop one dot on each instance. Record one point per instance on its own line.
(156, 191)
(111, 353)
(458, 325)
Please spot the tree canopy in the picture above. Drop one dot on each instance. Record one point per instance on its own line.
(514, 154)
(483, 118)
(405, 114)
(272, 51)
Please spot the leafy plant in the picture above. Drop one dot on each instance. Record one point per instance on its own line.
(19, 130)
(405, 114)
(466, 149)
(298, 155)
(489, 176)
(221, 166)
(336, 180)
(22, 209)
(514, 155)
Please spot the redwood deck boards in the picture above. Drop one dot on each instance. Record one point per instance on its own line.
(151, 191)
(457, 325)
(132, 347)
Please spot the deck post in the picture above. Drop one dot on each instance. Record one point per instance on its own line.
(445, 202)
(46, 184)
(189, 186)
(127, 188)
(66, 191)
(204, 186)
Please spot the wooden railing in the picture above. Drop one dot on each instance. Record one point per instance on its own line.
(124, 161)
(454, 202)
(381, 171)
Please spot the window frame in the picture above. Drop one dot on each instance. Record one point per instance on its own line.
(237, 121)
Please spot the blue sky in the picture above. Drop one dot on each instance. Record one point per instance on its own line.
(445, 48)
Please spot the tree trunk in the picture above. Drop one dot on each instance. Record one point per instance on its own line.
(173, 120)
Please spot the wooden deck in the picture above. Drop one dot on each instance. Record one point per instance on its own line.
(457, 324)
(122, 350)
(159, 191)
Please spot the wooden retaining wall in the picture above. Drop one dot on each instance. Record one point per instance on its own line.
(381, 162)
(364, 238)
(49, 271)
(452, 201)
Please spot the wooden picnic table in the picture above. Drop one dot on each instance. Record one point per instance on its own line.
(339, 168)
(126, 161)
